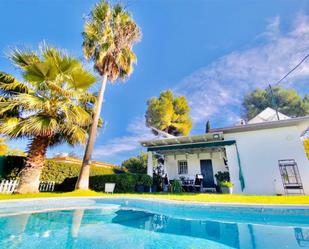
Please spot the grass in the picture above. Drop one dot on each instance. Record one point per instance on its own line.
(208, 198)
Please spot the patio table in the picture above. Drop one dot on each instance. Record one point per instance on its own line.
(188, 185)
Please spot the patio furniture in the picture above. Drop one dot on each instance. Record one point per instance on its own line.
(109, 187)
(290, 177)
(198, 183)
(187, 184)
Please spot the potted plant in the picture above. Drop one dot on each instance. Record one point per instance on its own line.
(222, 176)
(226, 187)
(144, 183)
(176, 186)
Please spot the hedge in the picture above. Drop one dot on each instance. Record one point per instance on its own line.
(52, 171)
(12, 166)
(58, 172)
(65, 175)
(124, 182)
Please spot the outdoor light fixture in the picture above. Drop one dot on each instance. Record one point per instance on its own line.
(215, 136)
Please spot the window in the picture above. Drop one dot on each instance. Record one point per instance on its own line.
(182, 167)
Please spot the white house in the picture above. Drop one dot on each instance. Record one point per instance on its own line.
(267, 115)
(262, 156)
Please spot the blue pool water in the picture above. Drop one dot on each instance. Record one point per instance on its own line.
(128, 223)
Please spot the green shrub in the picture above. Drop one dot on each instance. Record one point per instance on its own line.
(12, 166)
(144, 180)
(65, 175)
(176, 186)
(124, 182)
(58, 171)
(136, 164)
(52, 171)
(67, 185)
(222, 176)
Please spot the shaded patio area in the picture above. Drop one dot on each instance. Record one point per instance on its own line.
(193, 161)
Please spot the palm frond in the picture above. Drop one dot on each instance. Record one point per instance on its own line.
(59, 59)
(31, 102)
(7, 105)
(53, 103)
(23, 58)
(92, 30)
(108, 31)
(79, 78)
(77, 115)
(11, 127)
(39, 126)
(74, 134)
(42, 71)
(9, 85)
(87, 98)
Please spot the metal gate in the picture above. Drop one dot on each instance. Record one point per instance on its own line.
(290, 177)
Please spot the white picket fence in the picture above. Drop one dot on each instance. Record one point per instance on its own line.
(8, 186)
(47, 186)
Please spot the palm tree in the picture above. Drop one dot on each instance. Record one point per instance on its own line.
(109, 35)
(50, 107)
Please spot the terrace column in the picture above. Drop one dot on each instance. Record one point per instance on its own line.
(149, 164)
(234, 167)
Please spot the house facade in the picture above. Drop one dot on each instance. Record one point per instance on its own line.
(262, 158)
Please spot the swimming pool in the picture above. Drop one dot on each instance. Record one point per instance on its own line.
(136, 223)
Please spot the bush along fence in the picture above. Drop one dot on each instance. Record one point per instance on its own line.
(58, 176)
(125, 182)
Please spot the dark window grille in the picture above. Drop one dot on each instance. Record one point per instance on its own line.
(182, 167)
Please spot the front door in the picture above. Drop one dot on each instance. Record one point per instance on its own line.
(207, 172)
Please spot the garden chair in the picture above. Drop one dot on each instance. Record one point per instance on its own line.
(109, 187)
(198, 183)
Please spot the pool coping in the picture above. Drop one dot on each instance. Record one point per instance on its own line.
(178, 202)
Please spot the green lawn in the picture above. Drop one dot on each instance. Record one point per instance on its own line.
(180, 197)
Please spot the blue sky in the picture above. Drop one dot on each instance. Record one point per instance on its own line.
(212, 51)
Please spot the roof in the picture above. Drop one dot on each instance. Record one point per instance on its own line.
(183, 140)
(266, 115)
(203, 145)
(216, 135)
(79, 162)
(264, 125)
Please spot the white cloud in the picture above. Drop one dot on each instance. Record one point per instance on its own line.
(137, 132)
(218, 89)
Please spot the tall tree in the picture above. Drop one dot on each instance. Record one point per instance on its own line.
(169, 114)
(207, 127)
(287, 101)
(136, 164)
(50, 107)
(109, 35)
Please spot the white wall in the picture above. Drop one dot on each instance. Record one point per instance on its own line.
(171, 164)
(259, 154)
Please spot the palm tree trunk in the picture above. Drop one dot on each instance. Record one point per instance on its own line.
(30, 176)
(83, 178)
